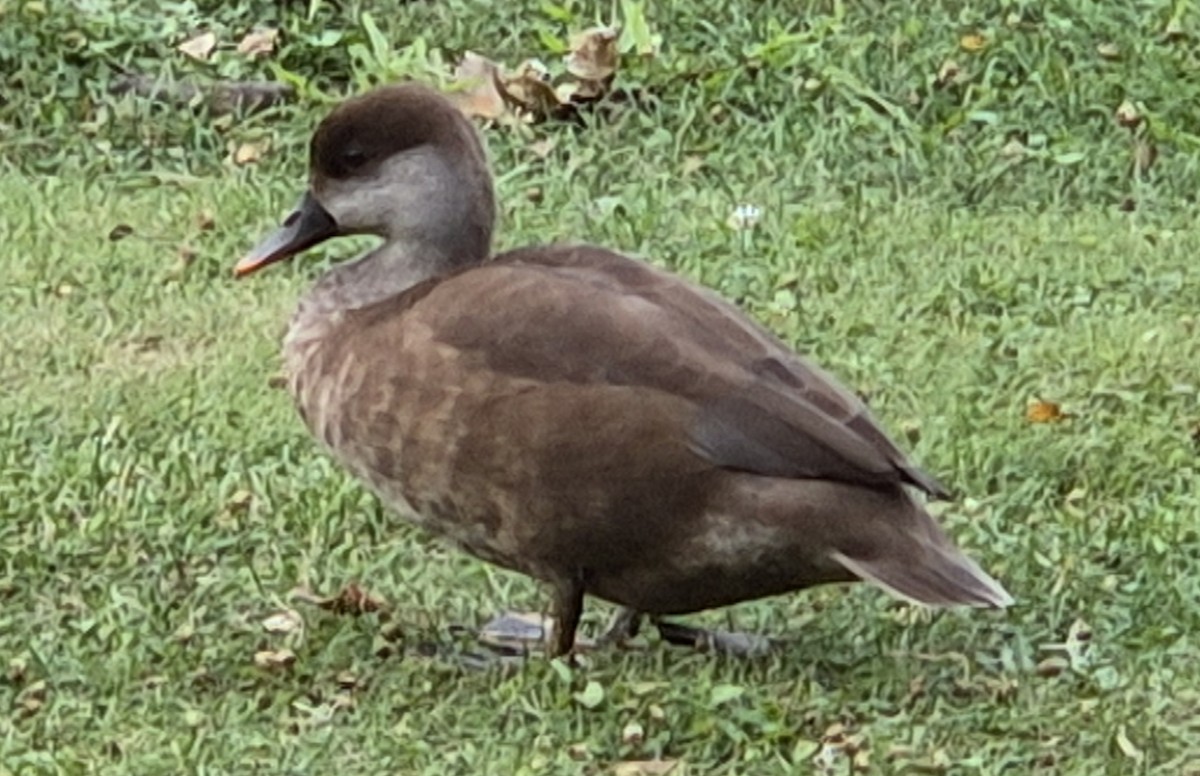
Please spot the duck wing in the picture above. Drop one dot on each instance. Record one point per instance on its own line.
(589, 316)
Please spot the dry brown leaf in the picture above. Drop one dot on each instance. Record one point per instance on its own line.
(593, 54)
(476, 90)
(530, 90)
(258, 43)
(274, 659)
(199, 47)
(1052, 666)
(1040, 411)
(648, 768)
(972, 43)
(351, 600)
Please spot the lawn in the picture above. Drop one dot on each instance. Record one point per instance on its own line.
(982, 217)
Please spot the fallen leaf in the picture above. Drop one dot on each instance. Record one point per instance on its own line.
(240, 501)
(258, 43)
(1052, 666)
(287, 621)
(542, 148)
(31, 699)
(1013, 149)
(593, 54)
(648, 768)
(947, 74)
(1127, 115)
(199, 47)
(351, 600)
(972, 43)
(633, 734)
(476, 91)
(249, 153)
(274, 659)
(1040, 411)
(530, 90)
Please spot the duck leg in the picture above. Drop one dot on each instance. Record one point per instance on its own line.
(567, 609)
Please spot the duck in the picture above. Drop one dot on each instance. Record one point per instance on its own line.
(587, 419)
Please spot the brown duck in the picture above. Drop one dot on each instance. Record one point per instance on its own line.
(572, 414)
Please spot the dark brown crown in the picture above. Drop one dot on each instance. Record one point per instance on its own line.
(363, 131)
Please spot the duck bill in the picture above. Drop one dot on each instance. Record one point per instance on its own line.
(308, 225)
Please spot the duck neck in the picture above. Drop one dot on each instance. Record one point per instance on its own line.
(391, 269)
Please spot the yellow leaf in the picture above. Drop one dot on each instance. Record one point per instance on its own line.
(249, 153)
(973, 42)
(1040, 411)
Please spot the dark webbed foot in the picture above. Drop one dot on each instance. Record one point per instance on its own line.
(623, 627)
(626, 623)
(745, 645)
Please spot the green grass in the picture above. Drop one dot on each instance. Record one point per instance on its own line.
(158, 500)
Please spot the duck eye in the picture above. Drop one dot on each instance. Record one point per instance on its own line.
(353, 158)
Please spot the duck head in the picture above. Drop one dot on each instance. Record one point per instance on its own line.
(401, 163)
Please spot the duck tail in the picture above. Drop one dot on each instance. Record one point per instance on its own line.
(941, 575)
